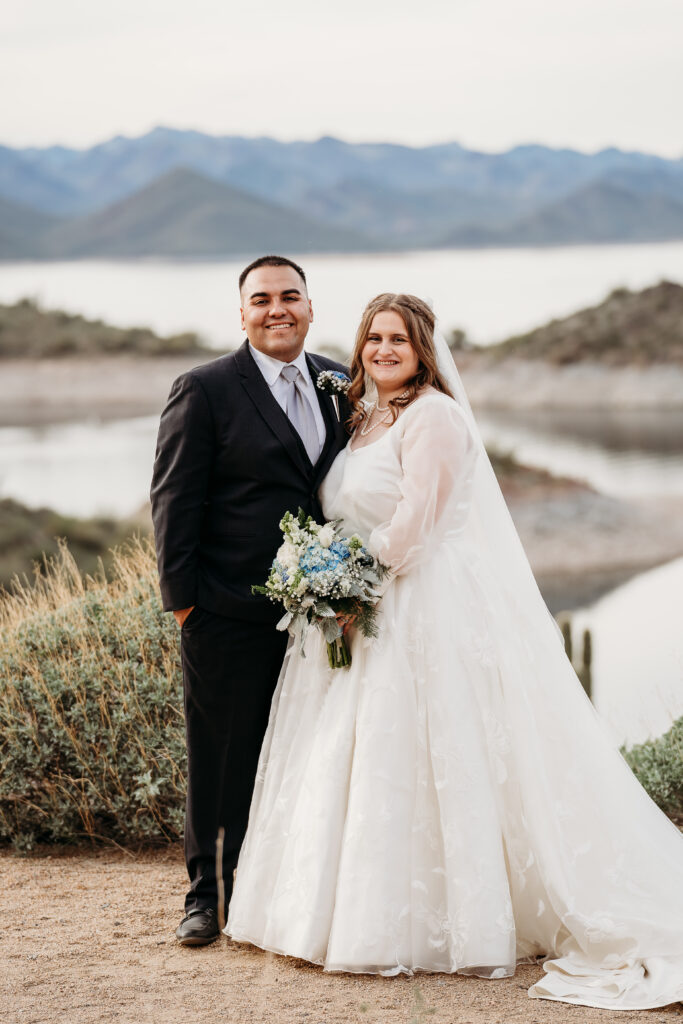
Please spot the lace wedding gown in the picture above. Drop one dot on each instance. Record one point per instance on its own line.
(444, 804)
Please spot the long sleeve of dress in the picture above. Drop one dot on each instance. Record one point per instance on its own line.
(438, 455)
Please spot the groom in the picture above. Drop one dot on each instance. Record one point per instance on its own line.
(243, 439)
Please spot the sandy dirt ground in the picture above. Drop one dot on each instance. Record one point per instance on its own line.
(88, 937)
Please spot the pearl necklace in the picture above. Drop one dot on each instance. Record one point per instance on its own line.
(365, 428)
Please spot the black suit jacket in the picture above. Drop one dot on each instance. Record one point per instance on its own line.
(228, 465)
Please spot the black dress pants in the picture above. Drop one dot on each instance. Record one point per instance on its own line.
(230, 669)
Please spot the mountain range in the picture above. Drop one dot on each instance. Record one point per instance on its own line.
(184, 194)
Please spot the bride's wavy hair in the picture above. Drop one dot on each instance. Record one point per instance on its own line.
(419, 323)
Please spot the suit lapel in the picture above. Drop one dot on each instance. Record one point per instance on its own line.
(253, 382)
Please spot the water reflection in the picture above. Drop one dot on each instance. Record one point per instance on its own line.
(638, 653)
(642, 431)
(80, 469)
(105, 467)
(630, 455)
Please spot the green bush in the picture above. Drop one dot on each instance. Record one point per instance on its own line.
(91, 720)
(658, 766)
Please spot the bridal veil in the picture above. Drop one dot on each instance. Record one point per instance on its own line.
(595, 868)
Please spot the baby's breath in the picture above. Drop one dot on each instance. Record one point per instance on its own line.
(334, 382)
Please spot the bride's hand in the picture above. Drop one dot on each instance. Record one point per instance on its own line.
(346, 622)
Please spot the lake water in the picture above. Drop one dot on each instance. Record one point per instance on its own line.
(638, 653)
(626, 455)
(490, 293)
(93, 467)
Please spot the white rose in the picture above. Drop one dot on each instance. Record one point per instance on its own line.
(303, 586)
(326, 535)
(287, 555)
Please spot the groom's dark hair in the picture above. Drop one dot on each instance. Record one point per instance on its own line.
(271, 261)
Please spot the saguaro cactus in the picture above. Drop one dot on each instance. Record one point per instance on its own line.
(585, 672)
(584, 669)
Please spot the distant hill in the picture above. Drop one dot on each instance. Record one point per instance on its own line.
(286, 172)
(29, 332)
(628, 328)
(25, 179)
(600, 212)
(184, 214)
(407, 218)
(353, 197)
(21, 229)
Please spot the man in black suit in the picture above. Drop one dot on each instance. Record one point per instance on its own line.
(242, 440)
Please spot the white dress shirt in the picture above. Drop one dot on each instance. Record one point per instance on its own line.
(271, 370)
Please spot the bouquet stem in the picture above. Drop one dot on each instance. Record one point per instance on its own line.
(338, 653)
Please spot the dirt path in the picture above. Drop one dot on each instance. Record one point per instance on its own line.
(89, 938)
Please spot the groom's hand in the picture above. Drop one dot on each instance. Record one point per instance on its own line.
(181, 614)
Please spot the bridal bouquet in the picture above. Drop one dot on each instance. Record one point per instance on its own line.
(318, 574)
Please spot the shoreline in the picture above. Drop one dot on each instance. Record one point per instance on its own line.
(37, 392)
(530, 384)
(581, 546)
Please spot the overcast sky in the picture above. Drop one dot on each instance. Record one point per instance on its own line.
(487, 73)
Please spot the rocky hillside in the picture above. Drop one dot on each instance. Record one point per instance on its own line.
(29, 332)
(627, 329)
(28, 536)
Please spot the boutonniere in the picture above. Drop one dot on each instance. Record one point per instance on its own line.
(333, 382)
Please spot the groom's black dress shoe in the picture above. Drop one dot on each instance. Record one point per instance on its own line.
(198, 928)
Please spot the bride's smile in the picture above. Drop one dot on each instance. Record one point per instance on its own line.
(388, 355)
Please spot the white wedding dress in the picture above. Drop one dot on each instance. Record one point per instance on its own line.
(446, 804)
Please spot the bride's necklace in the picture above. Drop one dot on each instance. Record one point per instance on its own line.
(368, 426)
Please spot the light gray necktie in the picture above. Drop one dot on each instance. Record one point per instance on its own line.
(299, 412)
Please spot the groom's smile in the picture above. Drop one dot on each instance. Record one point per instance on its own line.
(276, 311)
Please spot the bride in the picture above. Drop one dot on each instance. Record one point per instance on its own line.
(450, 802)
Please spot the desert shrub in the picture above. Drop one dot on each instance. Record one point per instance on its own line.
(658, 766)
(91, 721)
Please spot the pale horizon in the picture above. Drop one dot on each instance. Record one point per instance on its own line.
(586, 76)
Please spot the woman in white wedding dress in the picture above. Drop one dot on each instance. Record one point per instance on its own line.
(450, 802)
